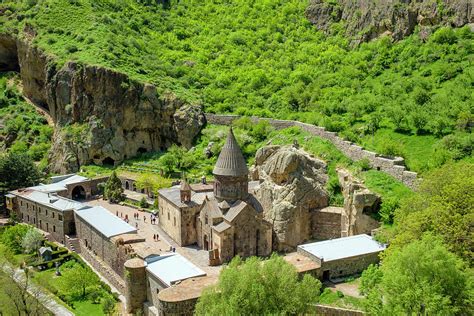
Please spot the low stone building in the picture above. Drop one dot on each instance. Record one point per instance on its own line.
(72, 186)
(344, 256)
(48, 212)
(105, 236)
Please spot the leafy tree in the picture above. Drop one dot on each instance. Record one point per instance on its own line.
(13, 237)
(258, 287)
(422, 278)
(17, 170)
(113, 188)
(108, 305)
(77, 279)
(144, 203)
(32, 241)
(444, 205)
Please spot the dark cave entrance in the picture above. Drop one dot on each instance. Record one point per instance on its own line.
(141, 150)
(78, 193)
(108, 162)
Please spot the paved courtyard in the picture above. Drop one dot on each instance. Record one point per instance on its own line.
(147, 230)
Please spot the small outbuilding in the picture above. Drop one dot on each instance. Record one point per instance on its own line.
(342, 257)
(46, 253)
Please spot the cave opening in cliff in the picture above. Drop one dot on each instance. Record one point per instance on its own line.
(108, 162)
(141, 150)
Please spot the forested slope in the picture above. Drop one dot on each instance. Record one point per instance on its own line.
(265, 58)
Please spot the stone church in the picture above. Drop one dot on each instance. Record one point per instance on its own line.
(226, 219)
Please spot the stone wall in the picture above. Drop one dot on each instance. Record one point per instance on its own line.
(336, 311)
(169, 217)
(326, 223)
(349, 266)
(103, 269)
(394, 167)
(182, 308)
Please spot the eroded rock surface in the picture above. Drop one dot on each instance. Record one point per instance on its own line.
(367, 19)
(118, 117)
(291, 188)
(359, 204)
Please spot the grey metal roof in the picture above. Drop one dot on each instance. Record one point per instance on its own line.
(57, 202)
(173, 195)
(42, 250)
(59, 183)
(231, 161)
(173, 267)
(105, 222)
(345, 247)
(222, 227)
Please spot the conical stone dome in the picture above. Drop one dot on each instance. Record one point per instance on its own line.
(231, 161)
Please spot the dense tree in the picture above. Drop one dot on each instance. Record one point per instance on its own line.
(32, 241)
(17, 170)
(77, 279)
(13, 237)
(422, 278)
(259, 287)
(444, 205)
(113, 188)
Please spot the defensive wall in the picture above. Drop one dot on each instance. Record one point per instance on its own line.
(393, 166)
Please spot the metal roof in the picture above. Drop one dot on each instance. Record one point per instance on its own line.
(105, 222)
(345, 247)
(57, 202)
(58, 186)
(231, 161)
(173, 267)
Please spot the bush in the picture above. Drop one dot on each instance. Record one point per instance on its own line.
(144, 203)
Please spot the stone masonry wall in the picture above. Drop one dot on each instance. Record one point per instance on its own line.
(394, 167)
(326, 223)
(182, 308)
(336, 311)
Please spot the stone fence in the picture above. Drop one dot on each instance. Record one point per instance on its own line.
(393, 166)
(336, 311)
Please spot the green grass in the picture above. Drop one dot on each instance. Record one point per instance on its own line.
(87, 308)
(331, 298)
(418, 150)
(264, 58)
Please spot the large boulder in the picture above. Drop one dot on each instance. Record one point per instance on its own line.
(291, 188)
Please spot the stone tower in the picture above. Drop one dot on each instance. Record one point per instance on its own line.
(135, 284)
(231, 172)
(185, 192)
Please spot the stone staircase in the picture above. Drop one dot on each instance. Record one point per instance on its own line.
(72, 243)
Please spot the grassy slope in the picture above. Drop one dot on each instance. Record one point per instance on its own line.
(21, 122)
(265, 58)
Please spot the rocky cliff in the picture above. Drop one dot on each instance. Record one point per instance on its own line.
(101, 115)
(359, 204)
(367, 19)
(291, 188)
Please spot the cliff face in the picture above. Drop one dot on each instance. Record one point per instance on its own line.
(367, 19)
(117, 118)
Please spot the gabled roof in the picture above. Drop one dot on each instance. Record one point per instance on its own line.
(235, 210)
(222, 227)
(173, 267)
(185, 186)
(231, 161)
(105, 222)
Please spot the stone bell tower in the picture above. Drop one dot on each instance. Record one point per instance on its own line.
(231, 172)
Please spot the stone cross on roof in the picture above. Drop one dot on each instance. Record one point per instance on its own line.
(231, 161)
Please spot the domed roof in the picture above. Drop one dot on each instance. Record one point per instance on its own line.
(231, 161)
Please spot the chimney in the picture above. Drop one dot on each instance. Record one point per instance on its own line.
(203, 180)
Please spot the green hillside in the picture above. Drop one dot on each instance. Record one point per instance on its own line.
(264, 58)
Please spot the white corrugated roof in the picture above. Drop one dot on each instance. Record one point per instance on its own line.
(54, 201)
(173, 267)
(105, 222)
(59, 185)
(345, 247)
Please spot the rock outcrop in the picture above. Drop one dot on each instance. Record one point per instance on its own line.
(367, 19)
(359, 204)
(120, 118)
(291, 188)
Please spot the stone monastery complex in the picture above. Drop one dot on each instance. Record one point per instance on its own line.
(279, 204)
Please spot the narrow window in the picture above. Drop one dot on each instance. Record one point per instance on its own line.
(175, 221)
(206, 220)
(168, 215)
(54, 228)
(60, 217)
